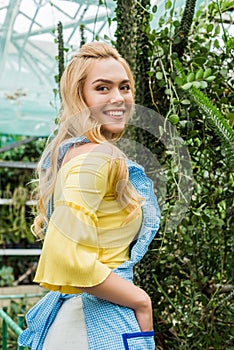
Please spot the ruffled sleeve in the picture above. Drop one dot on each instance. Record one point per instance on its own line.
(70, 251)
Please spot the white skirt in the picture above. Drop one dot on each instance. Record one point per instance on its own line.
(68, 331)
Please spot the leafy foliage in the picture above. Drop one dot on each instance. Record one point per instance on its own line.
(14, 309)
(181, 37)
(132, 41)
(189, 272)
(6, 276)
(16, 217)
(214, 118)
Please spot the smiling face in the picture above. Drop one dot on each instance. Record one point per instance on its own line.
(107, 93)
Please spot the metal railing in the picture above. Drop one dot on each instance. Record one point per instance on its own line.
(8, 322)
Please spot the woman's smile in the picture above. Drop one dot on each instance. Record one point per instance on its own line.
(115, 113)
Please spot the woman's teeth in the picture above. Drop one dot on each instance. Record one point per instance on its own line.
(115, 113)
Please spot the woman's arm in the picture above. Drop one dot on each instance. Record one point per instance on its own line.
(119, 291)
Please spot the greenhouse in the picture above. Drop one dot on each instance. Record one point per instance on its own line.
(180, 53)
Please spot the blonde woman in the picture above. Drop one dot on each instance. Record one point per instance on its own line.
(97, 214)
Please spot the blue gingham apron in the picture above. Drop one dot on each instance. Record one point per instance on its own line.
(109, 326)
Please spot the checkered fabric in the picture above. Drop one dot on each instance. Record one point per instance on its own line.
(39, 319)
(109, 326)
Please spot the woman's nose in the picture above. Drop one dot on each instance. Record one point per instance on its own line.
(116, 96)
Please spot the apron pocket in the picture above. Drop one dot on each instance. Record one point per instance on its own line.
(139, 341)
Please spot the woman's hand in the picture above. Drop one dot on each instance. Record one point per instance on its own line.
(144, 314)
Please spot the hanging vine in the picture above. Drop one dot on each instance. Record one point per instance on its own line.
(82, 35)
(60, 60)
(60, 50)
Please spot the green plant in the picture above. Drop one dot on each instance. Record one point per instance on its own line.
(6, 276)
(181, 36)
(14, 309)
(132, 41)
(189, 272)
(16, 216)
(193, 83)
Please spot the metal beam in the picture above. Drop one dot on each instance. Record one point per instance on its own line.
(29, 32)
(110, 3)
(65, 26)
(16, 252)
(7, 31)
(17, 144)
(18, 165)
(9, 201)
(76, 26)
(32, 63)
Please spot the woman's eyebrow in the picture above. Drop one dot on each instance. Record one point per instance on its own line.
(109, 81)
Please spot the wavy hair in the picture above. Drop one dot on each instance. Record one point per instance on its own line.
(76, 120)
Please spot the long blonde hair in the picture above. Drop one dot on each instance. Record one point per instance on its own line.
(75, 120)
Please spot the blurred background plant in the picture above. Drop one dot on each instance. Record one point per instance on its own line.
(6, 276)
(188, 60)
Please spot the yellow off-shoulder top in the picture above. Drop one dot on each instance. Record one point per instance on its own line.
(87, 235)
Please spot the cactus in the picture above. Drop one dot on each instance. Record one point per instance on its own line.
(214, 118)
(181, 37)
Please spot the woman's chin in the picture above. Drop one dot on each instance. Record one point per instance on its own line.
(114, 128)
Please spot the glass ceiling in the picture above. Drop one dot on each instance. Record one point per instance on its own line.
(28, 49)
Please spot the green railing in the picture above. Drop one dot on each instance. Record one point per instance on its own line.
(8, 322)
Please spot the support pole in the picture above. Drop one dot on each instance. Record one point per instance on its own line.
(21, 325)
(4, 331)
(8, 322)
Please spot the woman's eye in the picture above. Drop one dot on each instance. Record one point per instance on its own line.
(125, 87)
(102, 88)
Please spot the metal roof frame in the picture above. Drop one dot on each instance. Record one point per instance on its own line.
(28, 51)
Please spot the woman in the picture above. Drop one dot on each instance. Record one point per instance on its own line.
(92, 199)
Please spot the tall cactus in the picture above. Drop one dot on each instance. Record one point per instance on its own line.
(181, 37)
(133, 44)
(60, 50)
(214, 117)
(132, 41)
